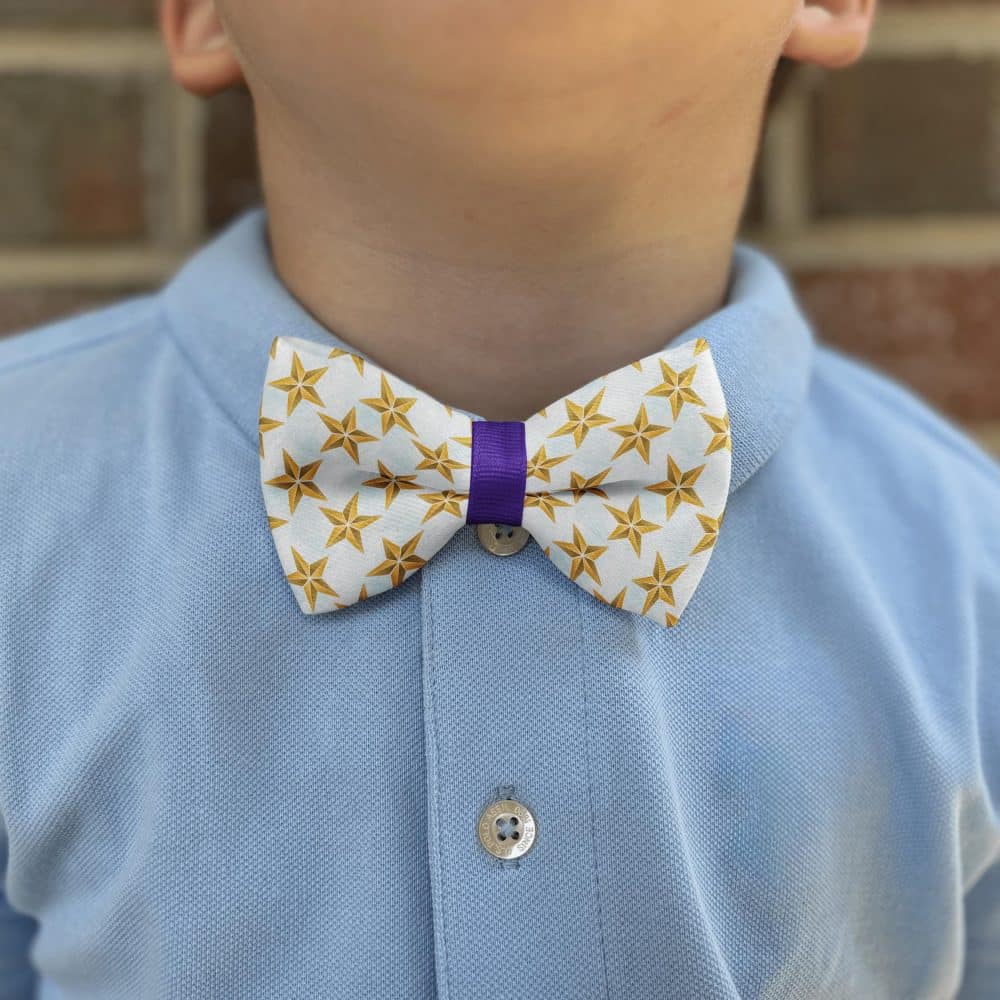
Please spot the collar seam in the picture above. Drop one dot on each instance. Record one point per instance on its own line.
(785, 417)
(190, 363)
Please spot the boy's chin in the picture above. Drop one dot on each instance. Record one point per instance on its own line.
(502, 87)
(489, 50)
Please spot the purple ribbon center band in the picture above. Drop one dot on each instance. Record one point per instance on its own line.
(498, 473)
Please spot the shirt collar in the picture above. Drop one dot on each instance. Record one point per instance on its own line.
(227, 303)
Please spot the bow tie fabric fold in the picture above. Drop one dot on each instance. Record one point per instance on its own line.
(622, 483)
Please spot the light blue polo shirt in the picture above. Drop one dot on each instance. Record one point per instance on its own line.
(205, 793)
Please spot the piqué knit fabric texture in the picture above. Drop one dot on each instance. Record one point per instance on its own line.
(204, 793)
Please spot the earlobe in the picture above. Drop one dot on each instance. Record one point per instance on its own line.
(201, 55)
(830, 33)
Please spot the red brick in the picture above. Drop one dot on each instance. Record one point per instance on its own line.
(231, 175)
(900, 136)
(72, 168)
(933, 328)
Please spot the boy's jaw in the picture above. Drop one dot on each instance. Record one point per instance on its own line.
(501, 200)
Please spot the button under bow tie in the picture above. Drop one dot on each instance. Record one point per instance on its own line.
(622, 483)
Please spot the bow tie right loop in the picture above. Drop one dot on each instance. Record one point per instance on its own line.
(628, 478)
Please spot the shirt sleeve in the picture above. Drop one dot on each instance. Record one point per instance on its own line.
(981, 978)
(17, 976)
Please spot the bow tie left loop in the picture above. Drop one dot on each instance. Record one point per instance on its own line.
(364, 478)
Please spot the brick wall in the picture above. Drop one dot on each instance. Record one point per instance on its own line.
(877, 186)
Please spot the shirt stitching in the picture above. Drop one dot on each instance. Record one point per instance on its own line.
(590, 798)
(426, 584)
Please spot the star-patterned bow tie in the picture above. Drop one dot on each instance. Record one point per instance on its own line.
(622, 483)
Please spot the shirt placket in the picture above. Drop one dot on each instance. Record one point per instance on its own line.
(506, 717)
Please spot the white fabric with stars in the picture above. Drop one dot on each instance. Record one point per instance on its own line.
(366, 477)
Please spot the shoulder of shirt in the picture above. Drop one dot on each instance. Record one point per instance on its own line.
(913, 486)
(70, 375)
(59, 342)
(897, 425)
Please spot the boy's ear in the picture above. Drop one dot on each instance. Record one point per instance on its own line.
(830, 33)
(201, 56)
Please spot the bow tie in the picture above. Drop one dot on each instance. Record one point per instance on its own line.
(622, 483)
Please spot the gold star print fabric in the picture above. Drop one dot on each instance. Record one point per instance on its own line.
(366, 477)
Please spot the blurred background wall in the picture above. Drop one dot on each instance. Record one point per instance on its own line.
(877, 186)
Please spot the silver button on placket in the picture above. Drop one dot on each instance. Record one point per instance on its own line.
(507, 829)
(502, 539)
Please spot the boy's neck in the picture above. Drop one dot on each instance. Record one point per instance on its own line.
(498, 294)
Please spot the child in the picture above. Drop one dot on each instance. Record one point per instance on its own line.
(470, 579)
